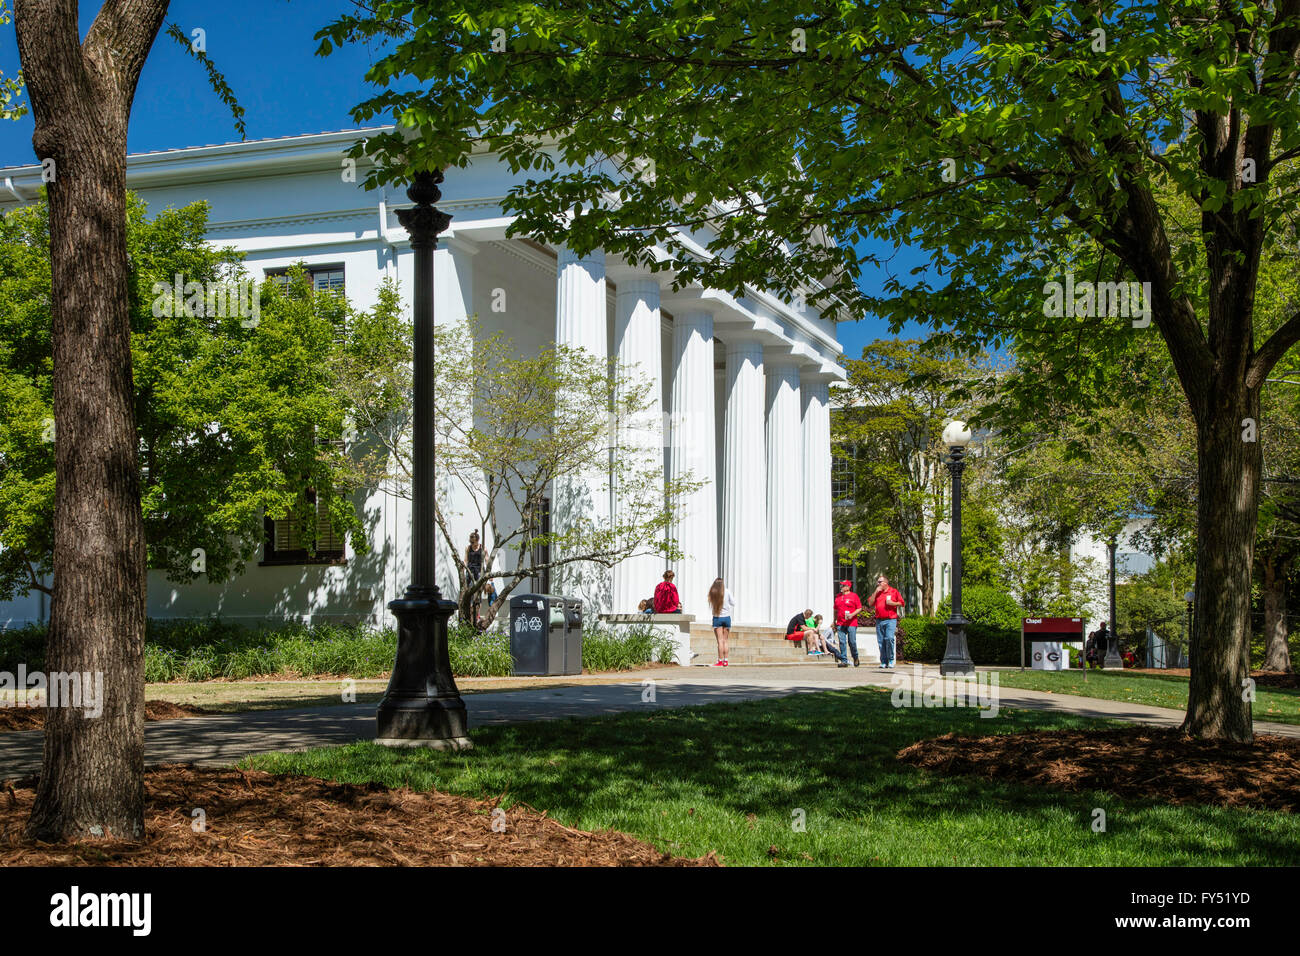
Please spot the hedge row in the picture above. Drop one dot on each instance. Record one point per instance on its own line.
(925, 639)
(198, 650)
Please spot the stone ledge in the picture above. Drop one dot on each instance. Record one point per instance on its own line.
(638, 618)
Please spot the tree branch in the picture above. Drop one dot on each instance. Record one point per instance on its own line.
(1272, 351)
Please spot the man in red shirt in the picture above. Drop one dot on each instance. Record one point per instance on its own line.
(666, 600)
(887, 602)
(847, 607)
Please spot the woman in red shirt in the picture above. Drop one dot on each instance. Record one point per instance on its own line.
(666, 600)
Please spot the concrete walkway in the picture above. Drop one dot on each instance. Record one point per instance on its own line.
(225, 739)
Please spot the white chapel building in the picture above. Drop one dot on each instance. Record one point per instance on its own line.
(743, 383)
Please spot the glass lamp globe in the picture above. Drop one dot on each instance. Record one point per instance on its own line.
(956, 435)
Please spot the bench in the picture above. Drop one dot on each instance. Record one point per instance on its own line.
(676, 626)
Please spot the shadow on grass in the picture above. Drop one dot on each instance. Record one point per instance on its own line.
(810, 778)
(285, 703)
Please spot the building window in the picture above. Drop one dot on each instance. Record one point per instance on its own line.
(844, 572)
(327, 278)
(843, 485)
(285, 545)
(541, 525)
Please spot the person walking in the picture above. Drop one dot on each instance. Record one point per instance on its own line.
(723, 603)
(1100, 640)
(474, 570)
(886, 602)
(1090, 649)
(847, 608)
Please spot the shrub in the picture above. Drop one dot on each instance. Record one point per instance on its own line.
(475, 654)
(925, 639)
(985, 605)
(23, 645)
(610, 649)
(205, 649)
(921, 638)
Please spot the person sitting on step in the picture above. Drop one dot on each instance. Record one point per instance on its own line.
(820, 644)
(800, 627)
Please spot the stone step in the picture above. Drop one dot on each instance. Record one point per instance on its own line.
(759, 644)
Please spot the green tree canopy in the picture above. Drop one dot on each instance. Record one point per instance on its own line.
(239, 413)
(886, 429)
(792, 141)
(509, 428)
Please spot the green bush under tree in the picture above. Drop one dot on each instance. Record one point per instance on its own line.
(212, 648)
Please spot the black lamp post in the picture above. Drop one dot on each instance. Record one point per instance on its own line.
(956, 657)
(1113, 661)
(422, 707)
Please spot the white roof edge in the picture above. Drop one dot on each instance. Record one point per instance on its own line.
(251, 157)
(268, 147)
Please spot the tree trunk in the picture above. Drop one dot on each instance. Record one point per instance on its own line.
(1228, 469)
(926, 581)
(1277, 656)
(92, 773)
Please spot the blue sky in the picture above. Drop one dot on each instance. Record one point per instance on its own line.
(266, 51)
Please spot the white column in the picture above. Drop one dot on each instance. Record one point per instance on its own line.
(453, 304)
(787, 542)
(694, 451)
(638, 338)
(817, 494)
(744, 483)
(580, 322)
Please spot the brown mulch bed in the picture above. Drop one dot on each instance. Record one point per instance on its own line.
(33, 718)
(1276, 679)
(260, 819)
(1139, 764)
(1262, 678)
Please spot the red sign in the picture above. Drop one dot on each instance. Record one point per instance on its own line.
(1052, 625)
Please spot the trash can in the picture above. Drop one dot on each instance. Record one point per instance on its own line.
(572, 636)
(545, 635)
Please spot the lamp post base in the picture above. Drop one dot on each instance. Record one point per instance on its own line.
(1112, 660)
(956, 657)
(422, 706)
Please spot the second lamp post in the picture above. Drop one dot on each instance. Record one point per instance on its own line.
(1113, 661)
(956, 658)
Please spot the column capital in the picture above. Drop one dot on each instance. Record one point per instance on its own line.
(566, 256)
(743, 345)
(780, 357)
(694, 317)
(641, 287)
(813, 375)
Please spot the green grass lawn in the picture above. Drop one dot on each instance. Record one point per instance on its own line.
(1158, 690)
(736, 778)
